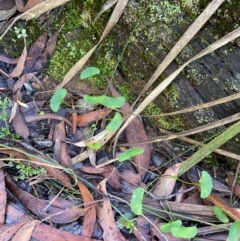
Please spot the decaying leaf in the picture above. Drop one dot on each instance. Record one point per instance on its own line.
(105, 216)
(8, 230)
(57, 210)
(166, 182)
(21, 7)
(236, 189)
(91, 117)
(135, 132)
(107, 5)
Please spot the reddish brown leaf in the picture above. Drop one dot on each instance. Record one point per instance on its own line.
(8, 230)
(20, 65)
(35, 51)
(58, 211)
(236, 189)
(30, 4)
(46, 116)
(231, 212)
(166, 182)
(3, 197)
(105, 216)
(43, 232)
(8, 60)
(60, 141)
(113, 178)
(45, 57)
(131, 177)
(20, 125)
(135, 132)
(25, 232)
(74, 122)
(90, 216)
(91, 117)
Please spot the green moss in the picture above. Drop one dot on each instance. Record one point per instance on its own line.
(168, 123)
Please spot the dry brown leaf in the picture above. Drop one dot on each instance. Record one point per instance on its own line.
(8, 230)
(58, 211)
(135, 132)
(74, 120)
(107, 5)
(90, 216)
(236, 189)
(35, 51)
(8, 60)
(25, 232)
(21, 7)
(91, 117)
(231, 212)
(7, 9)
(105, 216)
(43, 232)
(166, 182)
(3, 197)
(20, 64)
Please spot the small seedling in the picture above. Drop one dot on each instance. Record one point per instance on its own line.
(205, 184)
(57, 99)
(136, 200)
(220, 214)
(89, 72)
(26, 170)
(178, 230)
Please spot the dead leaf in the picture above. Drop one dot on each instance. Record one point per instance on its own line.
(43, 232)
(7, 9)
(107, 5)
(73, 119)
(25, 232)
(8, 230)
(3, 197)
(105, 215)
(8, 60)
(21, 7)
(20, 64)
(20, 125)
(135, 132)
(91, 117)
(35, 51)
(60, 140)
(166, 181)
(46, 116)
(236, 189)
(45, 57)
(57, 211)
(90, 216)
(231, 212)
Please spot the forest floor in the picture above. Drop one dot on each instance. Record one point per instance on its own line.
(69, 170)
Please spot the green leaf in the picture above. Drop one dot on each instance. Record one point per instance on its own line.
(110, 102)
(206, 184)
(136, 200)
(89, 72)
(130, 153)
(115, 122)
(167, 227)
(57, 99)
(220, 214)
(184, 232)
(234, 232)
(94, 145)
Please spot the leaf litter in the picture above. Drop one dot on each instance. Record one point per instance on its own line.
(122, 177)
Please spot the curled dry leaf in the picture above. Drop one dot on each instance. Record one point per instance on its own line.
(91, 117)
(90, 216)
(105, 216)
(58, 211)
(135, 132)
(43, 232)
(35, 51)
(166, 182)
(20, 64)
